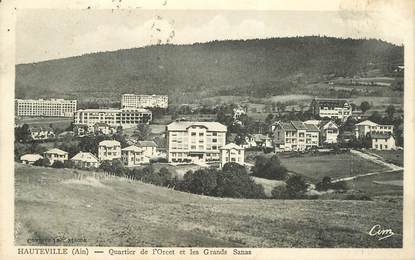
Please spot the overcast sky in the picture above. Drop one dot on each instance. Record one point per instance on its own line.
(43, 34)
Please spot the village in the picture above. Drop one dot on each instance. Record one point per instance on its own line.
(98, 137)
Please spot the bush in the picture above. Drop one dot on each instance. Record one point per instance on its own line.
(57, 164)
(202, 181)
(296, 187)
(327, 184)
(269, 168)
(68, 164)
(235, 182)
(357, 197)
(42, 162)
(279, 192)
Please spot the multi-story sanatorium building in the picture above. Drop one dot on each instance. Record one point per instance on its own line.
(144, 101)
(295, 136)
(45, 107)
(126, 118)
(331, 108)
(197, 142)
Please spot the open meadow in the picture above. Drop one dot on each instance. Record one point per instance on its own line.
(315, 167)
(112, 211)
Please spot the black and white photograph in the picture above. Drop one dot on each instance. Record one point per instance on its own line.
(220, 131)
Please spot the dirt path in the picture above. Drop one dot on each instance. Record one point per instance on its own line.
(390, 168)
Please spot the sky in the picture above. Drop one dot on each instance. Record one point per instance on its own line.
(45, 34)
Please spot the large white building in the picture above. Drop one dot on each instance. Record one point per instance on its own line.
(196, 142)
(331, 108)
(362, 129)
(383, 141)
(56, 154)
(109, 150)
(295, 136)
(45, 107)
(126, 117)
(232, 153)
(144, 101)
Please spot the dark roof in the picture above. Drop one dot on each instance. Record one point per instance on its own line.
(146, 144)
(311, 127)
(298, 125)
(331, 102)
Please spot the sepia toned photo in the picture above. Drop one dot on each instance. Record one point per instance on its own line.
(219, 131)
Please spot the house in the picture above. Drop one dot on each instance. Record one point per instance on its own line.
(149, 148)
(196, 142)
(103, 128)
(125, 117)
(357, 114)
(331, 108)
(261, 140)
(383, 141)
(132, 156)
(295, 136)
(109, 150)
(83, 130)
(30, 158)
(366, 127)
(41, 133)
(232, 153)
(56, 154)
(329, 131)
(85, 160)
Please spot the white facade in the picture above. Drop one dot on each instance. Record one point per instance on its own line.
(144, 101)
(132, 156)
(41, 133)
(367, 126)
(329, 132)
(126, 118)
(232, 153)
(295, 136)
(85, 160)
(196, 142)
(30, 158)
(109, 150)
(383, 142)
(149, 149)
(56, 154)
(45, 107)
(331, 108)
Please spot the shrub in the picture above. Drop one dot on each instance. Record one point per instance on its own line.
(357, 197)
(57, 164)
(326, 184)
(202, 181)
(269, 168)
(68, 164)
(296, 186)
(237, 184)
(42, 162)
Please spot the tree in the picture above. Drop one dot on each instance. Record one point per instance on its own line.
(57, 164)
(42, 162)
(365, 106)
(142, 132)
(269, 168)
(234, 182)
(201, 181)
(68, 164)
(390, 111)
(296, 186)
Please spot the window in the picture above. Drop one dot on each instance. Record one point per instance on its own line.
(193, 134)
(215, 134)
(201, 134)
(214, 147)
(214, 140)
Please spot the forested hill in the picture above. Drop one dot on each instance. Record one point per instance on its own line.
(219, 67)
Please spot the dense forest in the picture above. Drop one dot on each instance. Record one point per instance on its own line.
(256, 67)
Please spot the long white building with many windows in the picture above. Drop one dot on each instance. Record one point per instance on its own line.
(331, 108)
(295, 136)
(127, 118)
(196, 142)
(45, 107)
(144, 101)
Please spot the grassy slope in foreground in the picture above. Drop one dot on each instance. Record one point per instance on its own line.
(53, 203)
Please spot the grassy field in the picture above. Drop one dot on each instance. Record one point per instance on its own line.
(395, 157)
(384, 184)
(69, 204)
(332, 165)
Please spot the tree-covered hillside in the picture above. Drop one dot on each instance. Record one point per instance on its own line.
(243, 67)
